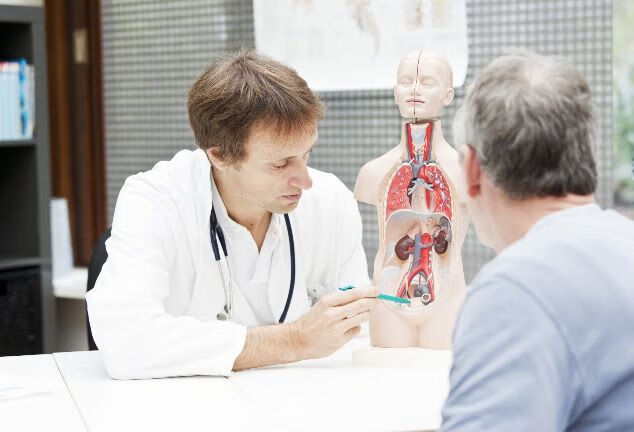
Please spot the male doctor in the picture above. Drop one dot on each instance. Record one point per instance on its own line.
(163, 304)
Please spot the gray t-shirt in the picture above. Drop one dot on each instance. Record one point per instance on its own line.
(545, 339)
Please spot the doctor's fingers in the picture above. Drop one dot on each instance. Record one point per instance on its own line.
(356, 307)
(355, 321)
(351, 333)
(339, 298)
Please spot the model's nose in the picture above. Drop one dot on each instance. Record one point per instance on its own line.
(416, 89)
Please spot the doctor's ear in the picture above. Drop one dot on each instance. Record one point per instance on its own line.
(216, 158)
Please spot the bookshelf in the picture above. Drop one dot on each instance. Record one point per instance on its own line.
(27, 304)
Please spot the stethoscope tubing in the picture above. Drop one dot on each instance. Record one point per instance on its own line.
(216, 235)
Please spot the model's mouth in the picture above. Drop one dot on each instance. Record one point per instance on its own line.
(415, 101)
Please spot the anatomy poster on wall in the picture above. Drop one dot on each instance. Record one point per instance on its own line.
(357, 44)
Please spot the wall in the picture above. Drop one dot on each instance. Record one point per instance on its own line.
(153, 50)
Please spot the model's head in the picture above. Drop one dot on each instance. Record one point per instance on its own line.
(257, 120)
(526, 131)
(423, 85)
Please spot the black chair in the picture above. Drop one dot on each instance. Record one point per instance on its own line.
(97, 260)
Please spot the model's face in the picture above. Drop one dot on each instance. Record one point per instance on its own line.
(274, 173)
(420, 91)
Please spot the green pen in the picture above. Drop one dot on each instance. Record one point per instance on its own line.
(393, 299)
(381, 296)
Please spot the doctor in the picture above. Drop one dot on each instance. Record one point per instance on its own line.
(217, 255)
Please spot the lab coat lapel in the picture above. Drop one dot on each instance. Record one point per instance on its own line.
(280, 276)
(208, 298)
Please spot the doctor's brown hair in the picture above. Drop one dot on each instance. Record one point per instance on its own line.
(246, 90)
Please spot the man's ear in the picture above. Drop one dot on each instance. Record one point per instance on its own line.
(472, 171)
(216, 158)
(448, 96)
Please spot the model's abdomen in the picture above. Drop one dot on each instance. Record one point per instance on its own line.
(418, 215)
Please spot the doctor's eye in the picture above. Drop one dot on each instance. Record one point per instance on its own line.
(282, 166)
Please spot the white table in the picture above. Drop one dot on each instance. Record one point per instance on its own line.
(324, 394)
(34, 397)
(173, 404)
(331, 394)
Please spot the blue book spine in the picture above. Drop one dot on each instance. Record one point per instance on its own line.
(24, 111)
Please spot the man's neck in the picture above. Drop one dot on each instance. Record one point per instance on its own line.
(515, 218)
(255, 220)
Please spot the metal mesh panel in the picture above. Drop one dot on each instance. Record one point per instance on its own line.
(153, 51)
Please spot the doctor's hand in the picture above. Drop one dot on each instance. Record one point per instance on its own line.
(333, 321)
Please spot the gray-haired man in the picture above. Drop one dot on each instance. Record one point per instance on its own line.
(544, 341)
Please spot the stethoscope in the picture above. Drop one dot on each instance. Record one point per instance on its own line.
(216, 234)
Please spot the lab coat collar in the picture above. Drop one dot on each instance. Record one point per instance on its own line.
(221, 211)
(203, 191)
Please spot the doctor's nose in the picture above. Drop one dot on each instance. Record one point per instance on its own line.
(301, 178)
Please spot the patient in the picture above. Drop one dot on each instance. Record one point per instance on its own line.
(544, 341)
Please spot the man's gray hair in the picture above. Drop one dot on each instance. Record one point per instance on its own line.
(531, 122)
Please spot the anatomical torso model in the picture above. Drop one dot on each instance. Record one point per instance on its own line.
(416, 187)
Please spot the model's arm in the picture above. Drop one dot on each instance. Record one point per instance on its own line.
(331, 323)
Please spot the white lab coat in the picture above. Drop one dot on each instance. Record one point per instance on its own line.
(153, 309)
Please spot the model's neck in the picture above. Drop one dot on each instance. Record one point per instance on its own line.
(252, 218)
(437, 138)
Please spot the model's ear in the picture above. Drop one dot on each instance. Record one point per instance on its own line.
(448, 96)
(216, 158)
(472, 170)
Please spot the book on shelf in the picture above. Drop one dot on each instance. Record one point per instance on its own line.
(17, 100)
